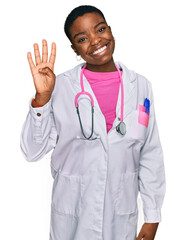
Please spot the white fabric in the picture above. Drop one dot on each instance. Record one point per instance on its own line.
(96, 182)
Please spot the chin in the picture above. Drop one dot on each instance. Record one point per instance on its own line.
(104, 61)
(100, 61)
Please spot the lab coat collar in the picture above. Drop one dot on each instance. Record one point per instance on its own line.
(75, 72)
(128, 77)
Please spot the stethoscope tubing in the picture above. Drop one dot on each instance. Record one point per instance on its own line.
(119, 127)
(82, 126)
(122, 94)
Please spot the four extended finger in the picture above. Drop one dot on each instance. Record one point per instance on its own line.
(30, 61)
(53, 54)
(45, 51)
(37, 54)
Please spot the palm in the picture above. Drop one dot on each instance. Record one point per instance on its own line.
(43, 82)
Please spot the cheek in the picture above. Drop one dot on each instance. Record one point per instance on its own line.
(82, 50)
(109, 34)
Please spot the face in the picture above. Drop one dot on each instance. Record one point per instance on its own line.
(92, 38)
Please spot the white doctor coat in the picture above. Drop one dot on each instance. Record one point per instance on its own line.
(96, 182)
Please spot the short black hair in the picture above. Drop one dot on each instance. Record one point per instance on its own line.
(76, 12)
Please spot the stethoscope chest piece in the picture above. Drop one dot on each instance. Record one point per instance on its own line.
(121, 128)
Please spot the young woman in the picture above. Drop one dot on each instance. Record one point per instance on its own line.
(99, 119)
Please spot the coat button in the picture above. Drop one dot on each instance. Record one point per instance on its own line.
(39, 114)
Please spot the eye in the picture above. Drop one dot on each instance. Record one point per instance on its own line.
(101, 29)
(81, 39)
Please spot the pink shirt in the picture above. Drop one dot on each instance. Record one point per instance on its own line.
(105, 86)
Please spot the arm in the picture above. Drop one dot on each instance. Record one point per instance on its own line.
(39, 133)
(151, 177)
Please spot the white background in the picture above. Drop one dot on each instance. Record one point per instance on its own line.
(150, 39)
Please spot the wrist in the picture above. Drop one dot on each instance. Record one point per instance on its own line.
(155, 224)
(42, 99)
(35, 104)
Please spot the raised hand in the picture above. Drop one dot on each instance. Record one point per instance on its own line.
(42, 72)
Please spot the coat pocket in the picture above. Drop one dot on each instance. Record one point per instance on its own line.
(66, 194)
(127, 196)
(138, 126)
(143, 117)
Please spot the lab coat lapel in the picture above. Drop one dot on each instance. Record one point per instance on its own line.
(128, 78)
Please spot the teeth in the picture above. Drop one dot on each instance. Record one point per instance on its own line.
(99, 50)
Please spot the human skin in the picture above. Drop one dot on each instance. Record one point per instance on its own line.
(95, 34)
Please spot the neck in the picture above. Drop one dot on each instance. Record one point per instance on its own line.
(107, 67)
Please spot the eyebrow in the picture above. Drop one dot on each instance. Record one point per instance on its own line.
(80, 33)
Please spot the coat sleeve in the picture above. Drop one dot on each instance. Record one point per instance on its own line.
(151, 170)
(39, 133)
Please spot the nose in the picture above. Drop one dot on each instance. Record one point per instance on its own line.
(94, 39)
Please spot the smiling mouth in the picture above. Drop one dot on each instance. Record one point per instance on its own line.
(100, 49)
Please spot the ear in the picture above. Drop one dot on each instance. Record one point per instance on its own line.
(72, 46)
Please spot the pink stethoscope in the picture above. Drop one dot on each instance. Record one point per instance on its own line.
(121, 127)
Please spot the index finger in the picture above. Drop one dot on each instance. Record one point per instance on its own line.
(53, 54)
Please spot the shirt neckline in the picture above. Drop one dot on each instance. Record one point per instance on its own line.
(101, 76)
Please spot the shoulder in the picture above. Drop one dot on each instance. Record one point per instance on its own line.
(144, 85)
(68, 77)
(132, 75)
(71, 73)
(141, 82)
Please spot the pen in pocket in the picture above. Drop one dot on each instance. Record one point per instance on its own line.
(147, 105)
